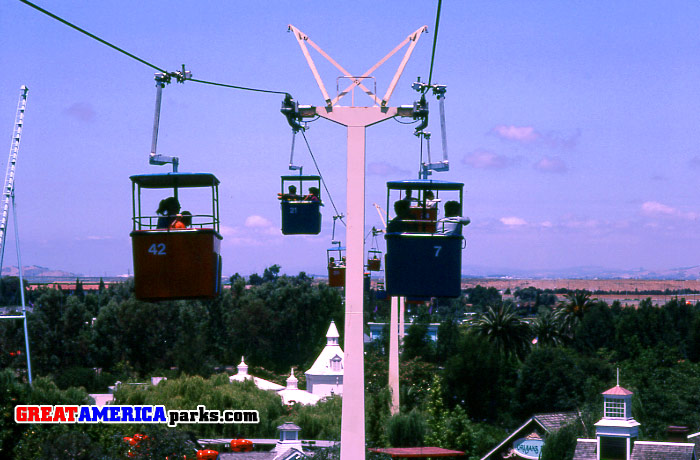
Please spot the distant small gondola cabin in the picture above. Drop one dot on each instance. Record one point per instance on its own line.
(176, 255)
(374, 260)
(300, 200)
(336, 266)
(423, 250)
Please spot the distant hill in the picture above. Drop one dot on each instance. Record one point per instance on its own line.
(586, 272)
(34, 271)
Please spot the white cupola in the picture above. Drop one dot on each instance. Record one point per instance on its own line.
(325, 377)
(617, 430)
(243, 368)
(289, 438)
(292, 382)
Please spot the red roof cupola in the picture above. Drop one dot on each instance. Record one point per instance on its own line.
(617, 390)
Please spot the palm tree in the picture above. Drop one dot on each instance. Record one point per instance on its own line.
(571, 311)
(502, 327)
(547, 329)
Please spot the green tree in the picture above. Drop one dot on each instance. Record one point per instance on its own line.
(480, 379)
(547, 329)
(79, 291)
(561, 444)
(693, 345)
(12, 393)
(502, 327)
(596, 330)
(480, 296)
(417, 343)
(549, 381)
(406, 430)
(572, 309)
(448, 336)
(281, 323)
(452, 429)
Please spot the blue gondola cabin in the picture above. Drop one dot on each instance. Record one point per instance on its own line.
(421, 259)
(301, 205)
(176, 255)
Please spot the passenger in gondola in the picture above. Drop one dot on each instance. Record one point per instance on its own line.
(313, 195)
(182, 221)
(291, 196)
(453, 222)
(409, 197)
(399, 224)
(331, 262)
(167, 210)
(429, 201)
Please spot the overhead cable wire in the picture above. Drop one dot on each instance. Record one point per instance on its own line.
(405, 122)
(238, 87)
(432, 59)
(105, 42)
(323, 181)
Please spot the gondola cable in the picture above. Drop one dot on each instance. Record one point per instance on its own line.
(323, 181)
(432, 58)
(179, 76)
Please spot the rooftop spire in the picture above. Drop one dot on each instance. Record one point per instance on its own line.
(292, 382)
(243, 368)
(332, 335)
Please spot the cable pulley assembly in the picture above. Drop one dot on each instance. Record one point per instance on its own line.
(162, 79)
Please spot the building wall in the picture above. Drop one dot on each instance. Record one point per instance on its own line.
(324, 385)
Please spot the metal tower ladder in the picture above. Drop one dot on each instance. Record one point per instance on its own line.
(9, 196)
(9, 188)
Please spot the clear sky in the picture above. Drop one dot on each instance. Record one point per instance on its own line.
(574, 125)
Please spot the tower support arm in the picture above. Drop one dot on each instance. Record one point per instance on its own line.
(301, 38)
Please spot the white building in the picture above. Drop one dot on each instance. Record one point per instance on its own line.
(325, 377)
(243, 375)
(292, 394)
(617, 432)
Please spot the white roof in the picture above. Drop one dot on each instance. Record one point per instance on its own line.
(322, 365)
(260, 383)
(102, 398)
(298, 396)
(617, 423)
(332, 331)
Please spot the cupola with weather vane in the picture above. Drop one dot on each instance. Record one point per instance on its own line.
(617, 431)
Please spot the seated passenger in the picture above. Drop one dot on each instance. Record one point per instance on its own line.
(398, 224)
(167, 210)
(452, 223)
(291, 196)
(313, 195)
(182, 221)
(409, 197)
(429, 201)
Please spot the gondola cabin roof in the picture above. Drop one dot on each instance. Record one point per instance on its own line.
(172, 180)
(302, 178)
(424, 184)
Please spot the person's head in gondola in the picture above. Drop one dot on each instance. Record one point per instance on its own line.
(167, 209)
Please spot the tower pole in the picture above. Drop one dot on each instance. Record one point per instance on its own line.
(356, 119)
(394, 355)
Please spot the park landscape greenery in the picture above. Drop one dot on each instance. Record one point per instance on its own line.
(483, 377)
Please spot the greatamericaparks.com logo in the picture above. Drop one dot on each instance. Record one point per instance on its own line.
(130, 414)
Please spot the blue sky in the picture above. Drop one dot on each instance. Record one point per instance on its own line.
(574, 125)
